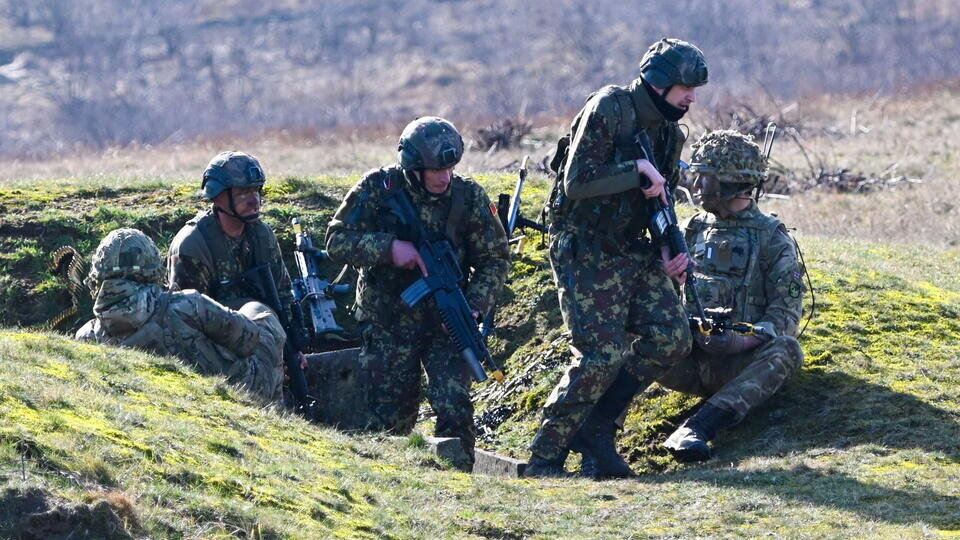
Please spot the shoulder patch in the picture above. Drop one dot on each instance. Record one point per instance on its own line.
(795, 289)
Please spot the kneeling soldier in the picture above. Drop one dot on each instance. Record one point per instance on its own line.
(133, 310)
(747, 271)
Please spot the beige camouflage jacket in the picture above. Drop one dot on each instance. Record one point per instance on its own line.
(748, 265)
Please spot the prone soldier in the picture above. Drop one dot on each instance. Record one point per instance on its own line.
(132, 309)
(398, 339)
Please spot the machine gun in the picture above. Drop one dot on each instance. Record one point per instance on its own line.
(311, 292)
(259, 282)
(442, 283)
(665, 231)
(508, 210)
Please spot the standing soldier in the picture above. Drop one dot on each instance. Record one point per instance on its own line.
(213, 250)
(611, 279)
(133, 310)
(747, 271)
(398, 339)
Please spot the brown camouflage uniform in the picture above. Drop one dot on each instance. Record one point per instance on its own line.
(398, 339)
(747, 266)
(610, 278)
(132, 310)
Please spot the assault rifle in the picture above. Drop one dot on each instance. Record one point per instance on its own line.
(718, 322)
(508, 210)
(259, 281)
(442, 282)
(665, 230)
(311, 291)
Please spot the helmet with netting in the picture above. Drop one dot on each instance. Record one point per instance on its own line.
(732, 158)
(429, 142)
(229, 170)
(673, 61)
(126, 254)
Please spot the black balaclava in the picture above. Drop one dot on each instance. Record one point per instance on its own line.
(668, 111)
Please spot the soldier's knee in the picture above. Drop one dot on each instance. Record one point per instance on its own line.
(792, 353)
(265, 318)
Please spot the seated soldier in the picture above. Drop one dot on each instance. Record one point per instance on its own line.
(747, 270)
(133, 310)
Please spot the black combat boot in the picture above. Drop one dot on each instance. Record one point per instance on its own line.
(595, 442)
(540, 467)
(689, 442)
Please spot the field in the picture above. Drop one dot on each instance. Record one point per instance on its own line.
(864, 442)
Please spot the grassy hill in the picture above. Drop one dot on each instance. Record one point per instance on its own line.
(865, 441)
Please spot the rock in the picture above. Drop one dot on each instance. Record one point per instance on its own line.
(496, 465)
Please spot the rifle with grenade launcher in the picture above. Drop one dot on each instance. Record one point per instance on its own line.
(311, 291)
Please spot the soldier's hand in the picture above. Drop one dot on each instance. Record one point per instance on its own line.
(406, 256)
(675, 268)
(725, 343)
(303, 360)
(657, 182)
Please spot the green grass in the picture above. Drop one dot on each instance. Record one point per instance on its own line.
(864, 441)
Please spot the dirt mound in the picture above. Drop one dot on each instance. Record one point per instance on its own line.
(34, 513)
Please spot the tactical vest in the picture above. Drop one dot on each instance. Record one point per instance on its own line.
(226, 282)
(619, 218)
(727, 253)
(393, 181)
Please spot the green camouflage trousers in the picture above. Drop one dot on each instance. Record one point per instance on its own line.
(603, 298)
(391, 357)
(737, 382)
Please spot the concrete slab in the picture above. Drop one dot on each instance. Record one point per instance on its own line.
(496, 465)
(449, 448)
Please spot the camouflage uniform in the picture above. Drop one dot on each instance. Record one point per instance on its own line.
(609, 276)
(747, 267)
(747, 270)
(133, 310)
(203, 257)
(398, 339)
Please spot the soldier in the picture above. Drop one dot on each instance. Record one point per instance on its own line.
(133, 310)
(213, 250)
(747, 270)
(611, 279)
(397, 339)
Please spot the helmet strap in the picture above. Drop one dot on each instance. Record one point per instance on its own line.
(233, 210)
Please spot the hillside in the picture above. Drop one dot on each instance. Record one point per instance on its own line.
(865, 441)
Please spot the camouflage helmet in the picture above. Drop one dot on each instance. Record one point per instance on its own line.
(125, 254)
(231, 169)
(673, 61)
(429, 142)
(731, 157)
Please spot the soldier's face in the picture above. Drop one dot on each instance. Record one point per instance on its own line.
(437, 180)
(246, 200)
(681, 96)
(706, 190)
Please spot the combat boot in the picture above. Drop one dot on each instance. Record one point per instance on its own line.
(540, 467)
(596, 440)
(689, 442)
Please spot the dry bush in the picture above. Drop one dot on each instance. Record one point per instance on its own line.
(502, 134)
(102, 73)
